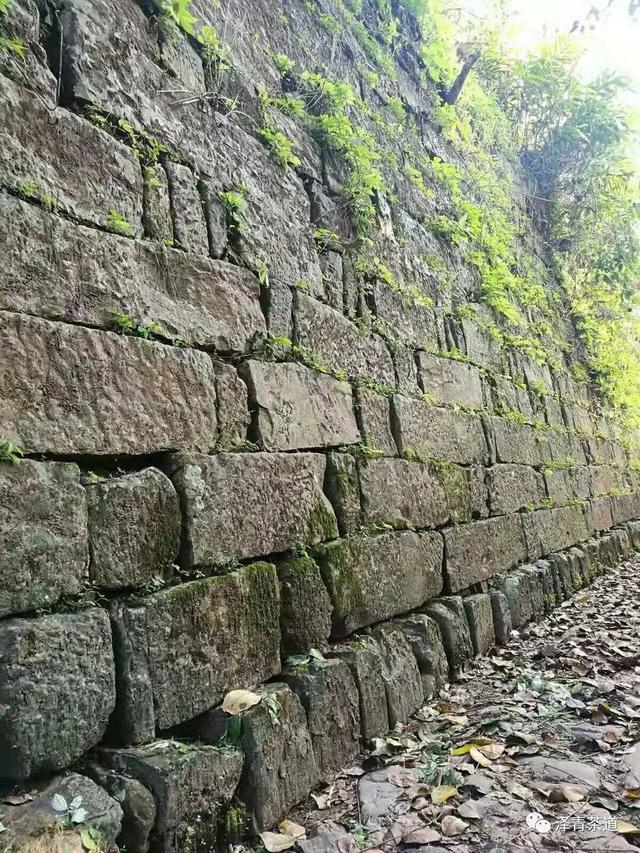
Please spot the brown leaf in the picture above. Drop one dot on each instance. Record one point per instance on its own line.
(424, 835)
(563, 793)
(452, 825)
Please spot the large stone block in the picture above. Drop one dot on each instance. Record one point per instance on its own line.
(404, 318)
(551, 530)
(240, 505)
(305, 606)
(71, 390)
(328, 336)
(411, 494)
(425, 640)
(518, 444)
(440, 434)
(29, 67)
(190, 783)
(479, 615)
(502, 624)
(512, 487)
(516, 587)
(568, 484)
(364, 659)
(448, 614)
(296, 408)
(178, 651)
(57, 690)
(187, 214)
(134, 529)
(402, 680)
(599, 514)
(43, 534)
(279, 764)
(625, 507)
(477, 551)
(233, 407)
(342, 485)
(374, 419)
(92, 275)
(330, 700)
(371, 578)
(68, 163)
(450, 381)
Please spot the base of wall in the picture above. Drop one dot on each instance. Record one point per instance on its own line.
(221, 777)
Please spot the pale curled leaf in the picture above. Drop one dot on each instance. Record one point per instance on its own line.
(452, 825)
(237, 701)
(274, 842)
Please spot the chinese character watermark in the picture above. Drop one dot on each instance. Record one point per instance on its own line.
(571, 824)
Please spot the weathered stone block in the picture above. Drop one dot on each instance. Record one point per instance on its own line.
(512, 487)
(216, 218)
(342, 487)
(332, 279)
(479, 491)
(402, 680)
(71, 390)
(364, 659)
(604, 479)
(634, 534)
(189, 227)
(279, 764)
(190, 785)
(57, 690)
(502, 625)
(516, 587)
(305, 606)
(450, 381)
(35, 815)
(600, 516)
(330, 700)
(237, 506)
(43, 534)
(211, 303)
(181, 649)
(372, 578)
(412, 494)
(551, 530)
(439, 434)
(134, 529)
(477, 551)
(339, 344)
(425, 640)
(565, 485)
(374, 420)
(71, 163)
(625, 507)
(233, 407)
(454, 630)
(561, 570)
(156, 214)
(297, 408)
(479, 615)
(518, 444)
(21, 23)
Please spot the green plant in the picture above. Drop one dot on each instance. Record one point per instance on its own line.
(10, 452)
(119, 224)
(280, 146)
(283, 63)
(234, 204)
(179, 12)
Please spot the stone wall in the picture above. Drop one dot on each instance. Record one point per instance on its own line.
(241, 444)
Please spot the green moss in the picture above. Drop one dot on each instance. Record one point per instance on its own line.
(339, 565)
(321, 524)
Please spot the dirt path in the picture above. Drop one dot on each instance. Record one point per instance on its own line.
(532, 750)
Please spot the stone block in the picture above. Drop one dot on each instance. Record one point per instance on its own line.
(518, 444)
(405, 367)
(216, 218)
(338, 344)
(57, 690)
(479, 491)
(71, 164)
(634, 534)
(190, 783)
(477, 551)
(305, 606)
(33, 817)
(69, 390)
(502, 624)
(512, 487)
(237, 506)
(364, 659)
(330, 699)
(479, 615)
(233, 407)
(279, 764)
(180, 650)
(134, 529)
(510, 398)
(372, 578)
(374, 419)
(604, 479)
(516, 587)
(297, 408)
(625, 507)
(342, 487)
(426, 643)
(21, 23)
(549, 530)
(441, 434)
(480, 346)
(187, 214)
(600, 514)
(43, 534)
(533, 580)
(213, 304)
(402, 317)
(332, 279)
(156, 213)
(403, 494)
(570, 484)
(450, 381)
(452, 622)
(402, 679)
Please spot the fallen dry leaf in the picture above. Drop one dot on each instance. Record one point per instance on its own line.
(443, 793)
(479, 758)
(452, 825)
(274, 842)
(237, 701)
